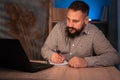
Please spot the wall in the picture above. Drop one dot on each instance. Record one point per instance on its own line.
(112, 30)
(96, 6)
(118, 21)
(118, 24)
(26, 20)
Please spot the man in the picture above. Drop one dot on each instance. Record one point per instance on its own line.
(76, 39)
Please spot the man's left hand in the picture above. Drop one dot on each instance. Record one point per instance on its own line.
(77, 62)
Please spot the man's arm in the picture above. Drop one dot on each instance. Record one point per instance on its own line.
(106, 54)
(51, 44)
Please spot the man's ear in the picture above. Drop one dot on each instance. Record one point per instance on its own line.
(86, 19)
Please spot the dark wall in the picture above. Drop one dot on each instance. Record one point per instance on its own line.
(30, 25)
(118, 22)
(113, 29)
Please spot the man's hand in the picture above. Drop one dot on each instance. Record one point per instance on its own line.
(77, 62)
(57, 58)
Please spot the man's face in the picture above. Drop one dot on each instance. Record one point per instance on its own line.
(76, 20)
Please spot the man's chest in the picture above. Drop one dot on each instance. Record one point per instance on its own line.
(81, 46)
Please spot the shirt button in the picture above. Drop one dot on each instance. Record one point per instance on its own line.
(73, 45)
(70, 53)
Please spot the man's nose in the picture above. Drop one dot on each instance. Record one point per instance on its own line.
(70, 24)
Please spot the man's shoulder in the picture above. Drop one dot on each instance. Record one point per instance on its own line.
(61, 23)
(92, 29)
(59, 27)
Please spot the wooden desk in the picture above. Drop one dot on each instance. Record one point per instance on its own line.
(63, 73)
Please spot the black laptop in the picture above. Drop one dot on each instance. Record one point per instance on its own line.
(12, 55)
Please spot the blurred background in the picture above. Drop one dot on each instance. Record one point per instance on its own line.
(30, 21)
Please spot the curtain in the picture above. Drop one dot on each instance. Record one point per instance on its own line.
(113, 33)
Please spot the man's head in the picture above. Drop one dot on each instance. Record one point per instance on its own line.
(77, 18)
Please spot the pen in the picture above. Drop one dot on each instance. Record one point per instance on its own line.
(58, 51)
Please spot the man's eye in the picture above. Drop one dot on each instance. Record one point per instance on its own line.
(75, 21)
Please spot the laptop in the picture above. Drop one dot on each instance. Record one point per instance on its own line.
(13, 56)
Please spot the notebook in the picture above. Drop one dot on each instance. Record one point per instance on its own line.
(13, 56)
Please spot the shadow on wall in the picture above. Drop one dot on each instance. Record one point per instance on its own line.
(26, 21)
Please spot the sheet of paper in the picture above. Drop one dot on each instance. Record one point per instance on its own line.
(60, 64)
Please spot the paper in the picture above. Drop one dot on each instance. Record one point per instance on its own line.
(59, 64)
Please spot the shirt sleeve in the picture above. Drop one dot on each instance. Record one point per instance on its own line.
(106, 55)
(50, 43)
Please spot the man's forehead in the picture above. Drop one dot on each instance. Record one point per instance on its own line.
(75, 14)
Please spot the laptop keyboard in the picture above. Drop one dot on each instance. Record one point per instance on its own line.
(40, 65)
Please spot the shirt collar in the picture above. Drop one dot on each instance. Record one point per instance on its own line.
(85, 30)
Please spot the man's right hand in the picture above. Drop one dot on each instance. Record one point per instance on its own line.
(57, 58)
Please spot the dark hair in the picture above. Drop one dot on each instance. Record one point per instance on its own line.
(79, 5)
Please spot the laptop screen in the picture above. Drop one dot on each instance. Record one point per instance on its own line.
(12, 54)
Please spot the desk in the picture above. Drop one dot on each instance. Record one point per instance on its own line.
(63, 73)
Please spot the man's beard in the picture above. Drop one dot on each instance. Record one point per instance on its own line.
(75, 34)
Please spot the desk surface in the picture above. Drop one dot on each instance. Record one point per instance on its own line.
(63, 73)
